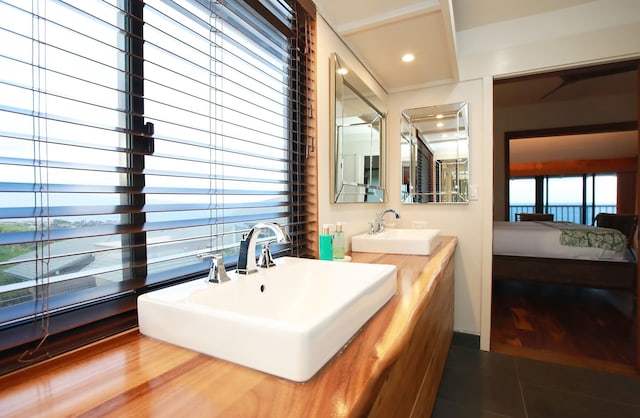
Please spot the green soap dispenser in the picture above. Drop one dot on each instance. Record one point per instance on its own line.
(326, 243)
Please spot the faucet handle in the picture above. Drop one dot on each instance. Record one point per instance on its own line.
(286, 237)
(217, 272)
(266, 260)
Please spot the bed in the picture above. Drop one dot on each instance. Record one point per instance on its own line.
(563, 253)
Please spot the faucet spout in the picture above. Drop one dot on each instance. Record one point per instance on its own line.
(247, 256)
(378, 225)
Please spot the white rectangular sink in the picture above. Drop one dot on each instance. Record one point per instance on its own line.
(398, 241)
(288, 320)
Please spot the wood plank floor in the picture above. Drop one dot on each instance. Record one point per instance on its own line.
(576, 326)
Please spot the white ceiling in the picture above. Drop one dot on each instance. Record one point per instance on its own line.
(379, 32)
(473, 13)
(614, 79)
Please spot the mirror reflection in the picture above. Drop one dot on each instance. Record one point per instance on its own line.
(435, 154)
(357, 137)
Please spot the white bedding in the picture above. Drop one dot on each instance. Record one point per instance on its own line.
(534, 239)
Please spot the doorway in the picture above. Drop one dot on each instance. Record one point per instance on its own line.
(548, 321)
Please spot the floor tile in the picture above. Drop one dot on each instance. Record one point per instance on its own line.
(462, 339)
(597, 384)
(549, 403)
(447, 409)
(481, 393)
(492, 385)
(477, 361)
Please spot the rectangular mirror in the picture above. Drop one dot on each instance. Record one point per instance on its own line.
(434, 147)
(357, 137)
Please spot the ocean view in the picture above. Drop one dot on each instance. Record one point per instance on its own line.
(568, 213)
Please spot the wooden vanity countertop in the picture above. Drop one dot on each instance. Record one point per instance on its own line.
(133, 375)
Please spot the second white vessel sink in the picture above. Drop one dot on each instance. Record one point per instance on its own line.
(288, 320)
(398, 241)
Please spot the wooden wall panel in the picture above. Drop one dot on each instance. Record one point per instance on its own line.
(637, 189)
(614, 165)
(626, 201)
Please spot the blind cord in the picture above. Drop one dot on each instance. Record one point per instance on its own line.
(41, 174)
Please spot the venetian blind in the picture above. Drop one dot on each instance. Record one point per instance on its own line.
(136, 135)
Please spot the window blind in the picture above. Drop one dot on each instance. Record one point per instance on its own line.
(136, 135)
(424, 172)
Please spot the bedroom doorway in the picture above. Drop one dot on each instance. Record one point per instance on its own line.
(586, 327)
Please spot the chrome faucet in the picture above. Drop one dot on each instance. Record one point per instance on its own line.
(378, 225)
(247, 256)
(217, 272)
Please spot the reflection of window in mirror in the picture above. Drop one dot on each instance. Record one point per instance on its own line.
(371, 176)
(418, 178)
(358, 137)
(435, 154)
(424, 171)
(451, 179)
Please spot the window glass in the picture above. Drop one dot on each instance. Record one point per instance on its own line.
(605, 197)
(522, 196)
(563, 198)
(218, 102)
(136, 135)
(62, 157)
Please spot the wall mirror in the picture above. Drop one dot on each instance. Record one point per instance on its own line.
(434, 144)
(357, 137)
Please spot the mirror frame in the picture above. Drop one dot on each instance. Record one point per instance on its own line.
(362, 192)
(452, 165)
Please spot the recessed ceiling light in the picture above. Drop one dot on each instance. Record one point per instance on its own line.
(408, 57)
(342, 71)
(439, 116)
(440, 124)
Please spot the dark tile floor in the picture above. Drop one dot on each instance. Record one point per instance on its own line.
(482, 384)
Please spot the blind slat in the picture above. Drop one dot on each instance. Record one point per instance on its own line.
(51, 235)
(64, 211)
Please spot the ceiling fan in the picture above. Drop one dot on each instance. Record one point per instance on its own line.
(570, 77)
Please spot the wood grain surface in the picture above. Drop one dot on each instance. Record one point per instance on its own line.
(131, 375)
(582, 327)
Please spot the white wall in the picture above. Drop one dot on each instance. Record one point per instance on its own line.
(462, 220)
(591, 32)
(594, 32)
(598, 31)
(354, 215)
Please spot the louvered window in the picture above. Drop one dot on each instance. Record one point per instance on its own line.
(135, 135)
